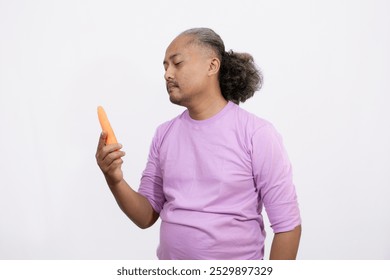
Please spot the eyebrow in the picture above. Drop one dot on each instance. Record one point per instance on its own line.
(171, 57)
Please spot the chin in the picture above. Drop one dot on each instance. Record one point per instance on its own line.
(178, 100)
(174, 100)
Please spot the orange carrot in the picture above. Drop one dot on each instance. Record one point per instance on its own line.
(105, 124)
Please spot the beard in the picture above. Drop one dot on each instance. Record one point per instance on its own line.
(178, 98)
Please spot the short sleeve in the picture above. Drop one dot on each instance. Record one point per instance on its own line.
(151, 185)
(273, 178)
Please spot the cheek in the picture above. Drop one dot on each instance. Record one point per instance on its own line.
(191, 78)
(185, 79)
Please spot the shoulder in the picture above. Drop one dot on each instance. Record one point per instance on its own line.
(165, 127)
(250, 122)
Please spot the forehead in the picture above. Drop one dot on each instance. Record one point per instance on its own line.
(181, 45)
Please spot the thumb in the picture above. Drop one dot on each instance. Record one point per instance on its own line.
(102, 140)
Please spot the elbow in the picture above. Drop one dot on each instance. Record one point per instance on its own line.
(144, 225)
(147, 223)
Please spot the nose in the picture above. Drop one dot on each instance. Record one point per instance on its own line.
(168, 74)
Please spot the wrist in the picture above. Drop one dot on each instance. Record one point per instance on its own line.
(114, 184)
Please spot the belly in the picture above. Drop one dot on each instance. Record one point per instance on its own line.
(213, 239)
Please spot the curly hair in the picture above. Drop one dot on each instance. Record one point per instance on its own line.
(239, 77)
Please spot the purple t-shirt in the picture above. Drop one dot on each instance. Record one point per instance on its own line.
(210, 179)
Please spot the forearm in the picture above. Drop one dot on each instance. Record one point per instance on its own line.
(134, 205)
(285, 245)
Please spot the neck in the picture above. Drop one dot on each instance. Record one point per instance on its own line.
(207, 108)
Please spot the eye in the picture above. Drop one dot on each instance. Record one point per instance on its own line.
(178, 63)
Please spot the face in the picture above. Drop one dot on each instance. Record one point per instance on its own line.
(186, 71)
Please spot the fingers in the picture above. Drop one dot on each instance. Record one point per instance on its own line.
(112, 147)
(109, 157)
(106, 154)
(113, 157)
(102, 140)
(113, 166)
(103, 148)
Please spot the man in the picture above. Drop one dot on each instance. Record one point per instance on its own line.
(210, 170)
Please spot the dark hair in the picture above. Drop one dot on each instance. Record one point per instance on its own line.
(239, 77)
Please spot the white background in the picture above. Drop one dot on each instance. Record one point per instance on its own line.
(325, 64)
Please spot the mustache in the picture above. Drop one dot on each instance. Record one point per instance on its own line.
(171, 84)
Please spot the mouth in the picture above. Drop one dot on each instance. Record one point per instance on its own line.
(171, 85)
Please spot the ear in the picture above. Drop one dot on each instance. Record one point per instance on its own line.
(214, 66)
